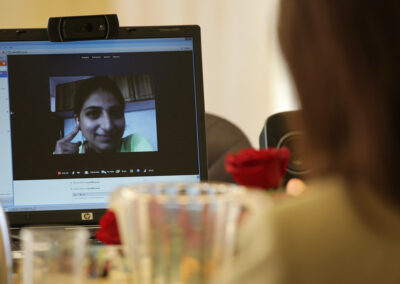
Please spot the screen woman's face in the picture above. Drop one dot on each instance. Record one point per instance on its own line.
(102, 122)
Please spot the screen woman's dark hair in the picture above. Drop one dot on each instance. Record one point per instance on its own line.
(89, 86)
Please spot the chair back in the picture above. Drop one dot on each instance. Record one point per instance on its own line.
(222, 137)
(5, 251)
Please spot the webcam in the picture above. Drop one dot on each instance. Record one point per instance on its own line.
(83, 27)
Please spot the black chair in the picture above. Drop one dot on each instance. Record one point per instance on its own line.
(222, 137)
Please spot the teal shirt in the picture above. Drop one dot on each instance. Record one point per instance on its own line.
(130, 143)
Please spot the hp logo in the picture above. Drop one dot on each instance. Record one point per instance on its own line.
(87, 216)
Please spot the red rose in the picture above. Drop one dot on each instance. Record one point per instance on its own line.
(264, 168)
(108, 231)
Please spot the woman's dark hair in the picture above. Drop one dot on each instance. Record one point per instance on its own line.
(89, 86)
(345, 60)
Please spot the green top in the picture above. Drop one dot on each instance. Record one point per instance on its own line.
(130, 143)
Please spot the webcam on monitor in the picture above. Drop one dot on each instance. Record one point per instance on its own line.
(83, 27)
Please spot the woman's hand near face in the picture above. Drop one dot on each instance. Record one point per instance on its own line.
(65, 146)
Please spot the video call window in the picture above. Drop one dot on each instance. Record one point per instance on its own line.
(148, 108)
(100, 114)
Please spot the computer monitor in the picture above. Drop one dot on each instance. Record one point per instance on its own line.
(81, 118)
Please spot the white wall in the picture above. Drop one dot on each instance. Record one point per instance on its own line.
(147, 129)
(244, 77)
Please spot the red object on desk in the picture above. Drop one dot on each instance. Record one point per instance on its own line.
(108, 232)
(263, 168)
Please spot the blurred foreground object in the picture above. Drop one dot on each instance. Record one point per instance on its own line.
(5, 251)
(295, 187)
(184, 233)
(107, 264)
(343, 57)
(108, 232)
(54, 255)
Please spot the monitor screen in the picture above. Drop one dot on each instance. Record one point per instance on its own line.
(81, 118)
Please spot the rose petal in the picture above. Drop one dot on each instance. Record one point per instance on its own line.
(263, 168)
(108, 232)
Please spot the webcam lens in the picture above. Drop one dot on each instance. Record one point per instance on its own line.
(86, 28)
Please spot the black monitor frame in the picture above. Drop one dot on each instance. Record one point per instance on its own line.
(74, 217)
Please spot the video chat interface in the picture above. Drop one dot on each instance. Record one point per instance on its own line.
(33, 178)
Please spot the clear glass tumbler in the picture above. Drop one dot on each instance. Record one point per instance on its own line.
(180, 233)
(54, 255)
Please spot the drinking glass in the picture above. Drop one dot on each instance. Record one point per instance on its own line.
(180, 233)
(107, 263)
(54, 255)
(5, 250)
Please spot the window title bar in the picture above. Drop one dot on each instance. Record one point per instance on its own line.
(97, 46)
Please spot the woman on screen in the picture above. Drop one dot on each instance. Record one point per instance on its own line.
(99, 115)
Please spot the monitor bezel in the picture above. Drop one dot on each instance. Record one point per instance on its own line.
(74, 217)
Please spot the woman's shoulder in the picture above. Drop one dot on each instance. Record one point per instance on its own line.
(136, 143)
(321, 238)
(324, 229)
(331, 199)
(326, 194)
